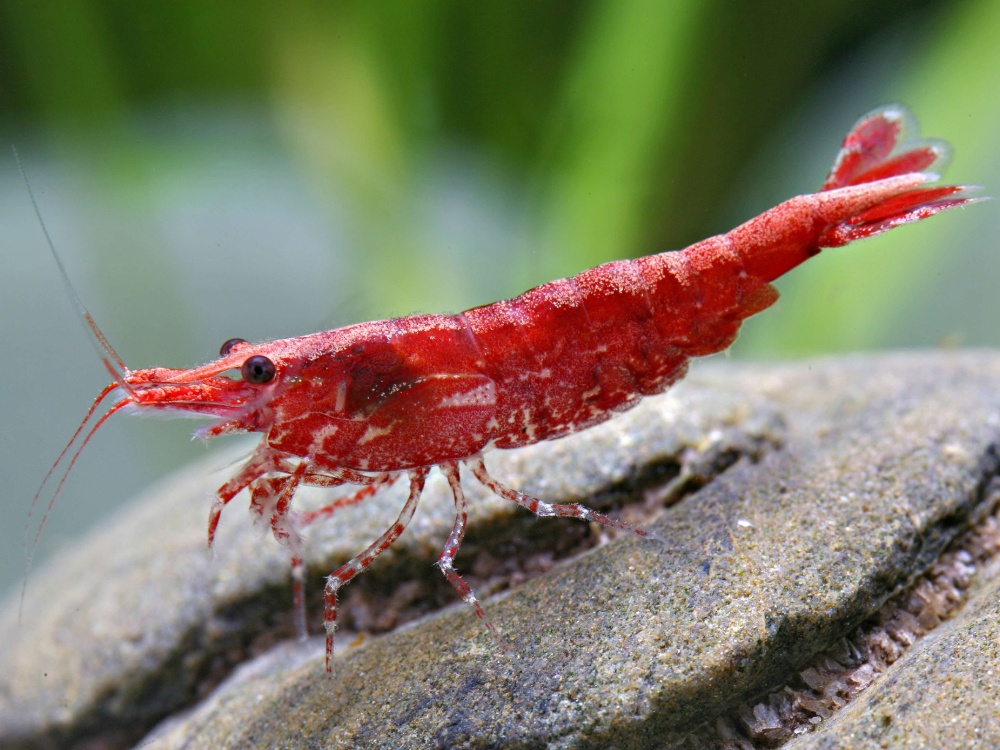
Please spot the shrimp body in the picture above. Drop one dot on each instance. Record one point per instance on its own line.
(368, 403)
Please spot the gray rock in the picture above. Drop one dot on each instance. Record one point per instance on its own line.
(847, 480)
(943, 693)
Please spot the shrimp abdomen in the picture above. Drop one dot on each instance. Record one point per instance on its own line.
(573, 352)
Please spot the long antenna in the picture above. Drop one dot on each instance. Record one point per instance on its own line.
(111, 361)
(107, 353)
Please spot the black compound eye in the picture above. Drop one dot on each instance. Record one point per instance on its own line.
(230, 345)
(257, 370)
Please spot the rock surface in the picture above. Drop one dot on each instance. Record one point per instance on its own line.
(829, 487)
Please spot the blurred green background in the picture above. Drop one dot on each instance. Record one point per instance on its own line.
(210, 170)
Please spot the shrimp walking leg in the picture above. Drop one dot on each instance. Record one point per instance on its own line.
(286, 526)
(271, 502)
(285, 529)
(363, 493)
(259, 465)
(541, 508)
(446, 560)
(360, 562)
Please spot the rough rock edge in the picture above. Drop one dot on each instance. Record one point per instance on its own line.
(844, 671)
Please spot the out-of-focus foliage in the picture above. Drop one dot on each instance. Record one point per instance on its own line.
(613, 129)
(213, 169)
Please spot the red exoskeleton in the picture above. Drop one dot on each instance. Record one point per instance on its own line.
(366, 404)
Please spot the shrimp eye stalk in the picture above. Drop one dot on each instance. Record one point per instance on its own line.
(229, 345)
(258, 370)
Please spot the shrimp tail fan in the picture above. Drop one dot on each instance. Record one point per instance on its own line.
(880, 146)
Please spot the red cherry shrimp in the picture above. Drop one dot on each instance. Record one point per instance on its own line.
(371, 403)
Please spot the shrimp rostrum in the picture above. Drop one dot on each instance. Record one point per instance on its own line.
(369, 403)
